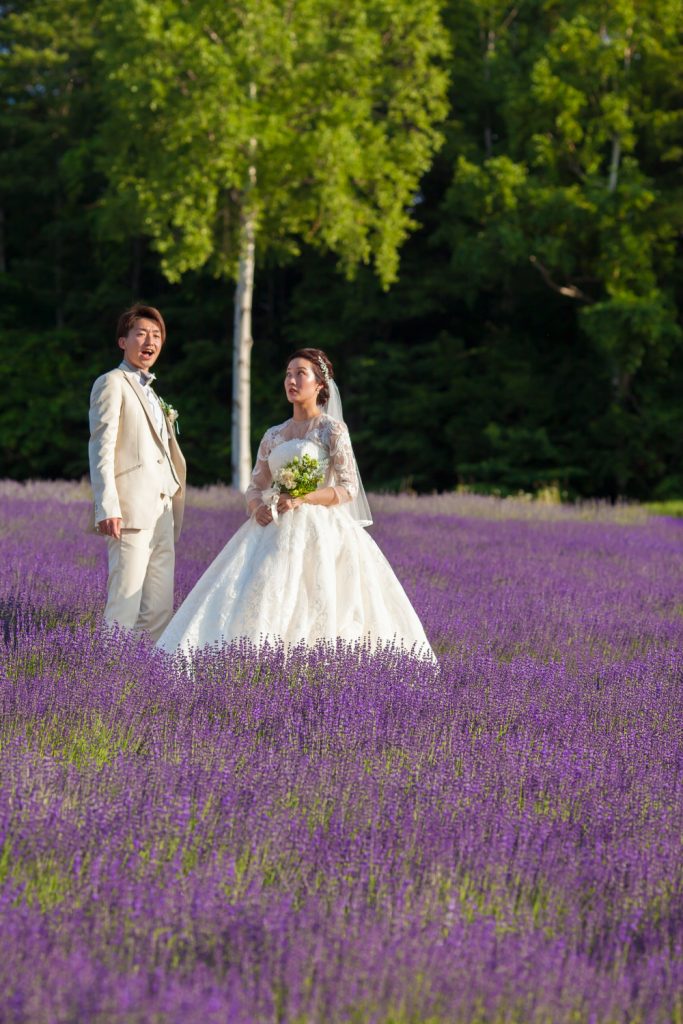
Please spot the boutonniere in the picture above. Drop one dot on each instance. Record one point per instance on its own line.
(170, 413)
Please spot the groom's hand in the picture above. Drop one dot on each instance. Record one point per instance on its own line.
(110, 528)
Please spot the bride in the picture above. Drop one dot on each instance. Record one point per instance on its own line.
(302, 569)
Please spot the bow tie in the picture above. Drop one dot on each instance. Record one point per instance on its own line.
(146, 378)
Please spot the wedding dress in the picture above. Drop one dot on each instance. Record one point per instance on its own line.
(312, 574)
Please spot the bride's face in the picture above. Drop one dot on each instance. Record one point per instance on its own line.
(301, 383)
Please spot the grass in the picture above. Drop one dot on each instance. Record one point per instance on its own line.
(673, 507)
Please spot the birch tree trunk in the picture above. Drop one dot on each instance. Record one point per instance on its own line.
(242, 342)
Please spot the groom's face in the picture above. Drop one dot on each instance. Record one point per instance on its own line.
(142, 345)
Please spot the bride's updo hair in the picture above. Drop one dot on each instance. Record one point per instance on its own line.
(320, 363)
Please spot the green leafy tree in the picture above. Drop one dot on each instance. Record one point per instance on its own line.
(242, 128)
(46, 113)
(576, 176)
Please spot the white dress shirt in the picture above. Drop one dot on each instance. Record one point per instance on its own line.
(152, 399)
(171, 485)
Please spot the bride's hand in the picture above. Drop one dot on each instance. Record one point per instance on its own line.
(263, 515)
(286, 504)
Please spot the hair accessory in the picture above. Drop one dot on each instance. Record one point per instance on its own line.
(323, 369)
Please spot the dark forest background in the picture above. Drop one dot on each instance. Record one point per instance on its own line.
(533, 337)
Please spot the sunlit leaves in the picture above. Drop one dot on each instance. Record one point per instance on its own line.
(588, 116)
(335, 107)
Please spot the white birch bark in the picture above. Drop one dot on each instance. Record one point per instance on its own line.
(242, 343)
(242, 340)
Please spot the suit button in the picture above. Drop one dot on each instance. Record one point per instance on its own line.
(160, 461)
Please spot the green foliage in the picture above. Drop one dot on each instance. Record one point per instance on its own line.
(46, 380)
(319, 118)
(666, 508)
(533, 335)
(47, 113)
(567, 182)
(43, 882)
(577, 196)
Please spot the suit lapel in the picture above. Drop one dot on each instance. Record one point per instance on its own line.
(137, 387)
(177, 458)
(134, 382)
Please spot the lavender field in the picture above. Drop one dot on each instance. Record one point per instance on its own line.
(345, 838)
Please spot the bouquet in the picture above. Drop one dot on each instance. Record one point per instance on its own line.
(298, 477)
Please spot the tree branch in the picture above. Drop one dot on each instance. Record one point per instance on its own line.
(213, 36)
(509, 18)
(569, 290)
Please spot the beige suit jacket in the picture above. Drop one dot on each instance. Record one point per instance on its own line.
(129, 460)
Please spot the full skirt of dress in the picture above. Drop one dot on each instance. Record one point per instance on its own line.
(311, 575)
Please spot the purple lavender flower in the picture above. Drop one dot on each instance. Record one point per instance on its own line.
(337, 836)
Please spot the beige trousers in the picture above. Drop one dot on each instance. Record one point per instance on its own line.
(141, 567)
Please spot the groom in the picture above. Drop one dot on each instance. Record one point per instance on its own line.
(137, 473)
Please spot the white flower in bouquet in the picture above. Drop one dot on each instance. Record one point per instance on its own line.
(287, 478)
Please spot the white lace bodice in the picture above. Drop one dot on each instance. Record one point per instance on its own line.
(334, 453)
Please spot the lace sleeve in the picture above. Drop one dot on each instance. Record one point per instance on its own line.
(261, 477)
(343, 462)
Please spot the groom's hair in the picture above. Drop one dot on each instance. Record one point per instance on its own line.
(139, 311)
